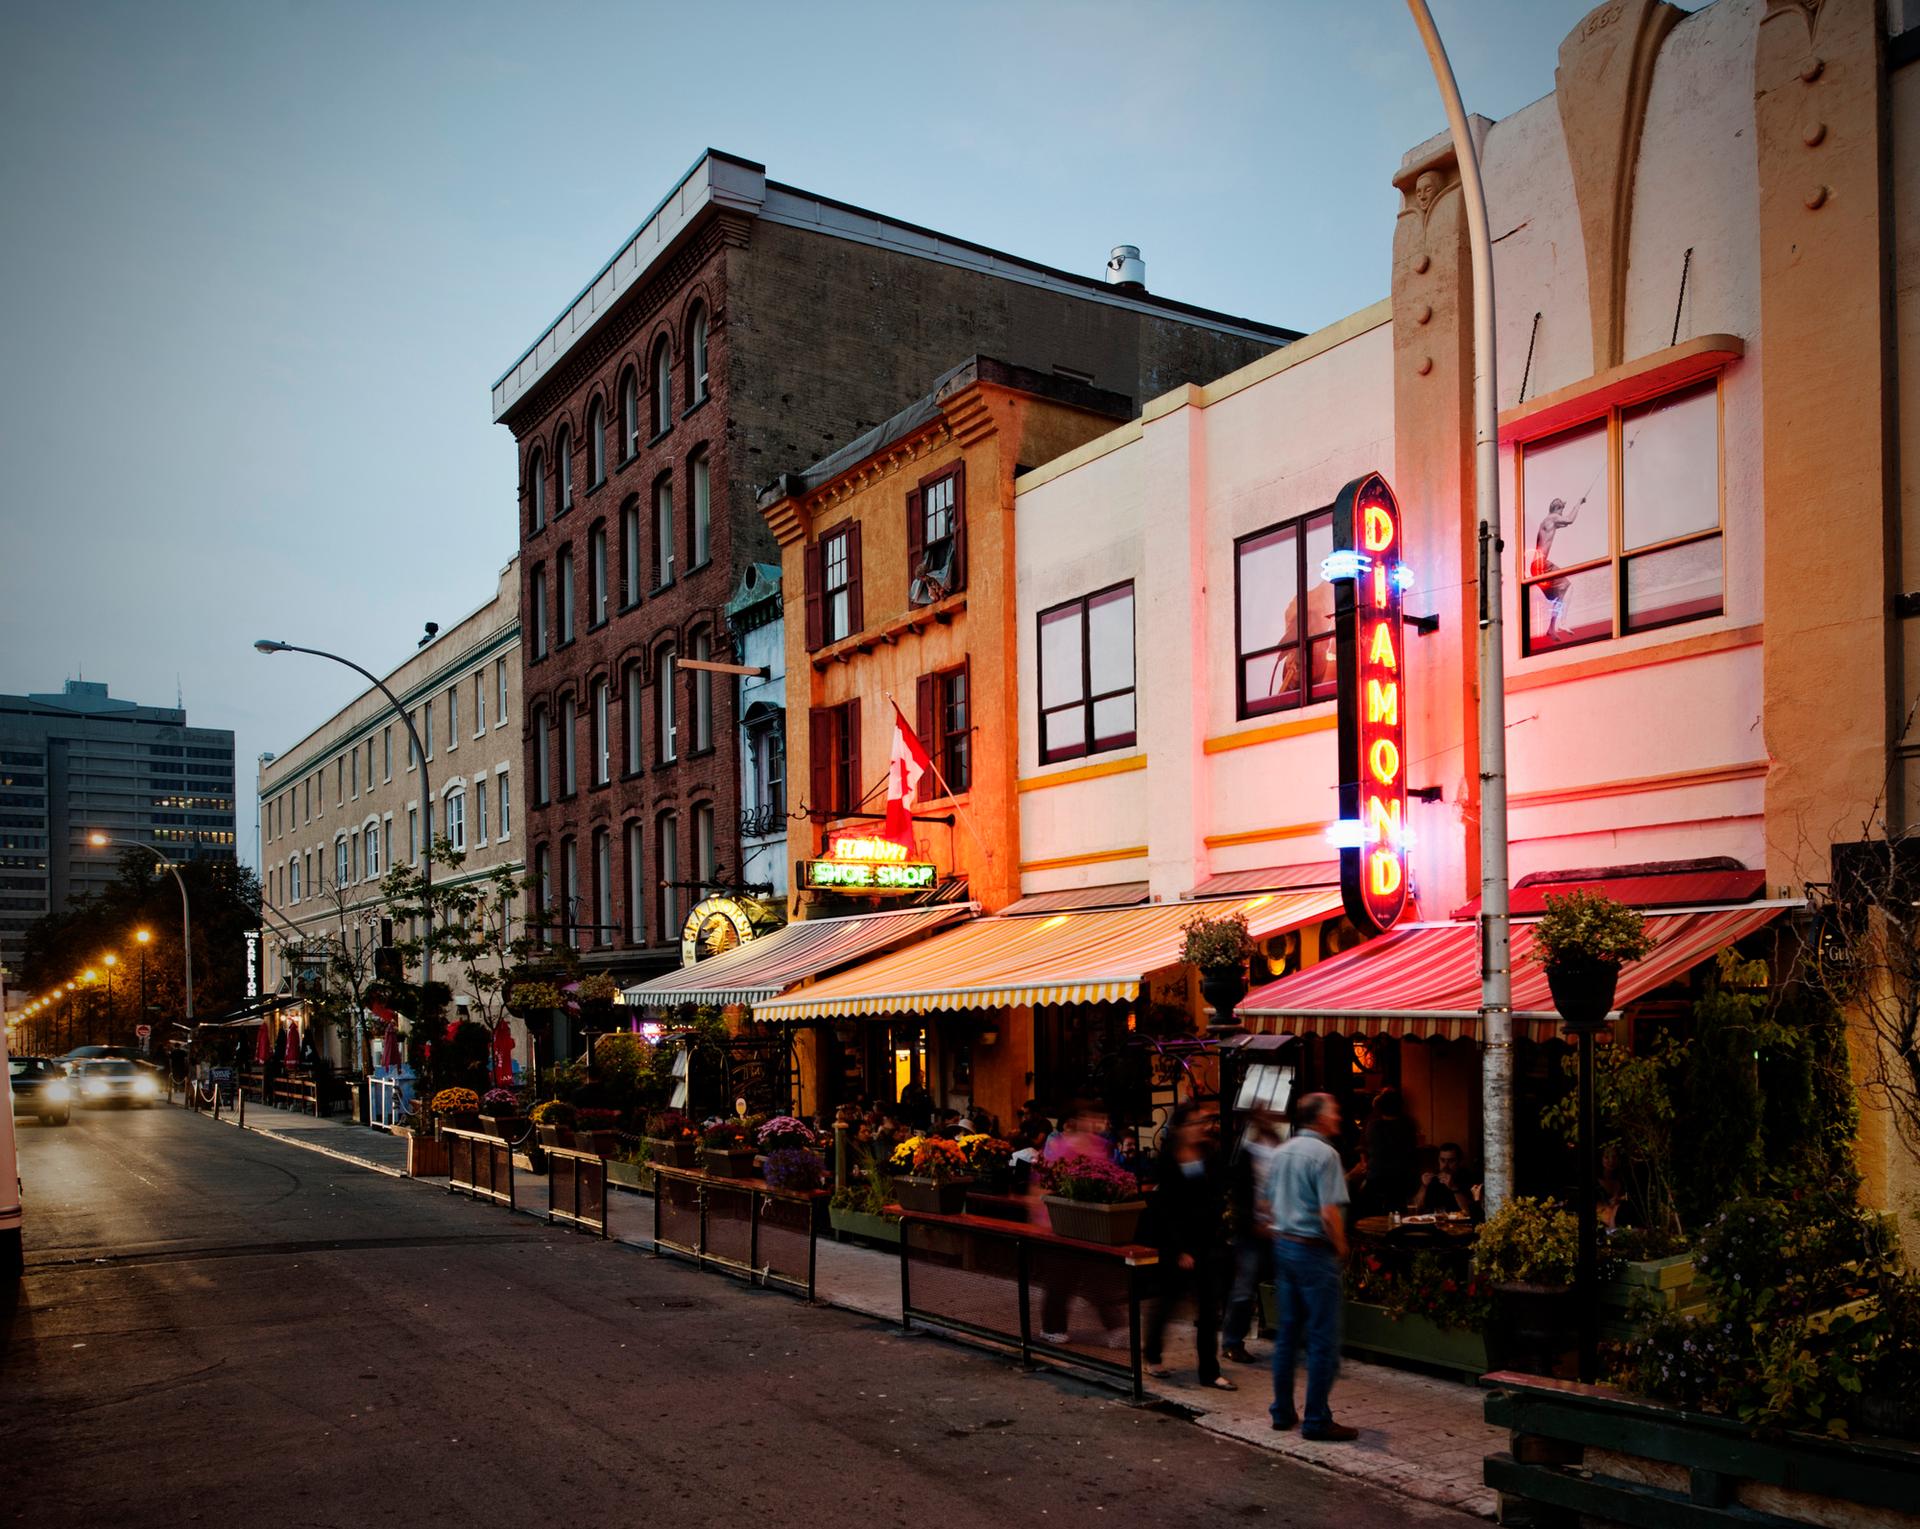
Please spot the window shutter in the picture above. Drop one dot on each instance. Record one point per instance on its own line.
(916, 538)
(960, 527)
(926, 709)
(858, 780)
(856, 617)
(816, 626)
(820, 761)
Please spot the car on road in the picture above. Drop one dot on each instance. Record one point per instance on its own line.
(113, 1080)
(40, 1088)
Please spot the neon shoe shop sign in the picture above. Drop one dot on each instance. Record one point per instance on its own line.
(1369, 580)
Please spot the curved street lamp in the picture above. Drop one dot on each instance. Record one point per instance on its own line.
(268, 645)
(100, 841)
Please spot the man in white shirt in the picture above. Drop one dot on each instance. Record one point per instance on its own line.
(1306, 1201)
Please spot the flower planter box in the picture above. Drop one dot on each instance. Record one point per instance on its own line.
(505, 1127)
(1113, 1226)
(555, 1136)
(1597, 1452)
(600, 1143)
(426, 1156)
(675, 1151)
(635, 1176)
(727, 1163)
(860, 1223)
(1651, 1287)
(466, 1120)
(931, 1197)
(1376, 1332)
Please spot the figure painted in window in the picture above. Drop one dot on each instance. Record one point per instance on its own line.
(1553, 591)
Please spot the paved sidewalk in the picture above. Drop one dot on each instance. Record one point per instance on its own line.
(1419, 1436)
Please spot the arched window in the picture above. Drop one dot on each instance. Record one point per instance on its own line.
(663, 532)
(570, 909)
(705, 847)
(596, 445)
(630, 553)
(542, 757)
(702, 694)
(597, 574)
(536, 490)
(632, 706)
(370, 852)
(543, 891)
(597, 720)
(700, 486)
(563, 469)
(566, 596)
(666, 850)
(293, 879)
(602, 888)
(569, 722)
(666, 730)
(662, 370)
(629, 416)
(636, 887)
(697, 354)
(342, 864)
(455, 810)
(537, 590)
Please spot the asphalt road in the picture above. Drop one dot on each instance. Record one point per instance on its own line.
(219, 1328)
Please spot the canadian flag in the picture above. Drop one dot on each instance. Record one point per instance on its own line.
(908, 763)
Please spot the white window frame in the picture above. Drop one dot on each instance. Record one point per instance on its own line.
(479, 810)
(663, 549)
(702, 694)
(569, 764)
(504, 792)
(597, 576)
(666, 719)
(500, 698)
(597, 721)
(453, 815)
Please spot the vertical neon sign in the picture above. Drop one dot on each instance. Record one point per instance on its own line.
(1369, 576)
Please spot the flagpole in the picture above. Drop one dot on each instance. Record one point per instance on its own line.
(966, 817)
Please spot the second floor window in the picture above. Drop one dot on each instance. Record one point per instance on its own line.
(597, 575)
(833, 765)
(937, 538)
(370, 851)
(702, 694)
(945, 726)
(342, 863)
(833, 587)
(1284, 616)
(602, 888)
(767, 744)
(666, 730)
(1622, 523)
(663, 533)
(666, 846)
(1087, 675)
(480, 810)
(636, 887)
(456, 816)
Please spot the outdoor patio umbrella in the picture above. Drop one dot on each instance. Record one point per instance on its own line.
(263, 1043)
(292, 1056)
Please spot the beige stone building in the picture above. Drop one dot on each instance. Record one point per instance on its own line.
(340, 806)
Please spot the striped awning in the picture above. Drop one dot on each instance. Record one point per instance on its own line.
(1097, 956)
(1122, 894)
(769, 965)
(1423, 980)
(1272, 878)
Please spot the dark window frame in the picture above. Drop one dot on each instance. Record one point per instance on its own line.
(1303, 641)
(1089, 744)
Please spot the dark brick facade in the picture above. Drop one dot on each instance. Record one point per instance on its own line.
(812, 339)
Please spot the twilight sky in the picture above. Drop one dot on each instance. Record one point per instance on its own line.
(263, 260)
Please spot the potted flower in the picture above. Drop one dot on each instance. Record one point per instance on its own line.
(525, 999)
(934, 1176)
(726, 1148)
(1583, 939)
(1092, 1200)
(596, 995)
(631, 1167)
(553, 1119)
(796, 1170)
(593, 1130)
(456, 1108)
(1219, 947)
(989, 1159)
(1527, 1253)
(860, 1210)
(673, 1139)
(786, 1131)
(500, 1113)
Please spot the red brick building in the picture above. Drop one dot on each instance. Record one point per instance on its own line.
(746, 326)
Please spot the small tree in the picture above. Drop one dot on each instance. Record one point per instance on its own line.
(344, 945)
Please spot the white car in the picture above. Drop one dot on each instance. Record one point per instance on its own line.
(113, 1081)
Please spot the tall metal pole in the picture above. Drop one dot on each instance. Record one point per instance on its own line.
(1496, 977)
(186, 909)
(1589, 1217)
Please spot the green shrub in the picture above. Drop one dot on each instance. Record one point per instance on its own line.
(1527, 1241)
(1589, 926)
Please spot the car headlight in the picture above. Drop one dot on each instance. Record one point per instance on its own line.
(145, 1085)
(93, 1088)
(57, 1093)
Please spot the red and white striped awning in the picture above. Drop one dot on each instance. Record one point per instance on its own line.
(769, 965)
(1097, 956)
(1423, 980)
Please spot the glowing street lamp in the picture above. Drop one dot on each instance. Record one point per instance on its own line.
(100, 841)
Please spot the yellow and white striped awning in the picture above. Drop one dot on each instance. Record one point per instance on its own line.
(1096, 956)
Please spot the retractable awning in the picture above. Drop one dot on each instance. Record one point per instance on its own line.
(769, 965)
(1423, 980)
(1096, 956)
(248, 1015)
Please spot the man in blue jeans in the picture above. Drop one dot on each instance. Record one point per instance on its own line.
(1306, 1200)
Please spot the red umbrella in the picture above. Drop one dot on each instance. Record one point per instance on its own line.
(502, 1054)
(263, 1046)
(293, 1043)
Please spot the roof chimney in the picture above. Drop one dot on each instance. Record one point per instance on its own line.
(1126, 270)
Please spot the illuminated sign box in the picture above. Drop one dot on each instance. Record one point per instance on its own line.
(848, 875)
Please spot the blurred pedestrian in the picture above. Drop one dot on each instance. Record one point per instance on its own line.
(1392, 1152)
(1186, 1215)
(1306, 1201)
(1252, 1261)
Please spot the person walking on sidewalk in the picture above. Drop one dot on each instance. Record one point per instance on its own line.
(1252, 1261)
(1187, 1207)
(1306, 1200)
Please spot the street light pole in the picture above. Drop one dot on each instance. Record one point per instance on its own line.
(99, 841)
(268, 645)
(1496, 975)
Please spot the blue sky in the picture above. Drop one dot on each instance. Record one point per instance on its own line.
(263, 260)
